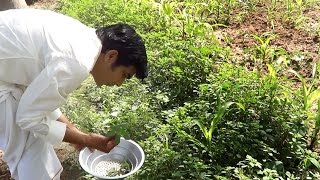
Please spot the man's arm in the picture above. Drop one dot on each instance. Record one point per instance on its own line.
(95, 141)
(47, 92)
(63, 119)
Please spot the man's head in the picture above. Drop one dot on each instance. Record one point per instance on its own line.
(123, 55)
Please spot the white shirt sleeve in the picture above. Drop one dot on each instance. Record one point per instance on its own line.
(38, 108)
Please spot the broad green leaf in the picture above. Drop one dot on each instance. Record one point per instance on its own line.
(202, 127)
(314, 162)
(267, 41)
(272, 71)
(208, 26)
(317, 118)
(298, 75)
(218, 117)
(222, 110)
(315, 95)
(257, 38)
(191, 138)
(241, 106)
(304, 88)
(117, 137)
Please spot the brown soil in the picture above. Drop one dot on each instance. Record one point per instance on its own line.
(287, 36)
(304, 40)
(4, 172)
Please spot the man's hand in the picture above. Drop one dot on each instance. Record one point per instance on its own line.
(102, 143)
(92, 141)
(80, 139)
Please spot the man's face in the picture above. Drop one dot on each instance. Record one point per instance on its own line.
(106, 73)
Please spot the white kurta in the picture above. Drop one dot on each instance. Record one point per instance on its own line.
(44, 56)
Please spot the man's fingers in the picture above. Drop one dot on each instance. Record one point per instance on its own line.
(111, 138)
(110, 145)
(103, 143)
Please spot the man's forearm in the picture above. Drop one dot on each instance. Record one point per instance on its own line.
(63, 119)
(73, 135)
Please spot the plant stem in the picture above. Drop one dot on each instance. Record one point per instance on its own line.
(314, 138)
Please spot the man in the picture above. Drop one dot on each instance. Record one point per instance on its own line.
(44, 56)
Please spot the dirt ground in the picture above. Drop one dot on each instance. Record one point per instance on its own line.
(237, 36)
(300, 39)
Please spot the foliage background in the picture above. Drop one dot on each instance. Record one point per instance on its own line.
(202, 114)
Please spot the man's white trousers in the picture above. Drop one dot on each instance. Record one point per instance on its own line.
(28, 157)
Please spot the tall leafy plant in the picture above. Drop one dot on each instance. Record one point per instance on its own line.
(207, 131)
(310, 95)
(317, 128)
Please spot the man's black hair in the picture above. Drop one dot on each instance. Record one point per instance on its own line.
(130, 47)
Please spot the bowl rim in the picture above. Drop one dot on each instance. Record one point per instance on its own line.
(115, 177)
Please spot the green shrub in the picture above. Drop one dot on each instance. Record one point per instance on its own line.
(180, 67)
(269, 129)
(99, 13)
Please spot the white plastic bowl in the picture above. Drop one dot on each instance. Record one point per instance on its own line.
(126, 150)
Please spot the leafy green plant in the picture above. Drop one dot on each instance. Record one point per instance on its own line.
(250, 168)
(183, 63)
(316, 130)
(263, 48)
(207, 132)
(308, 161)
(309, 93)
